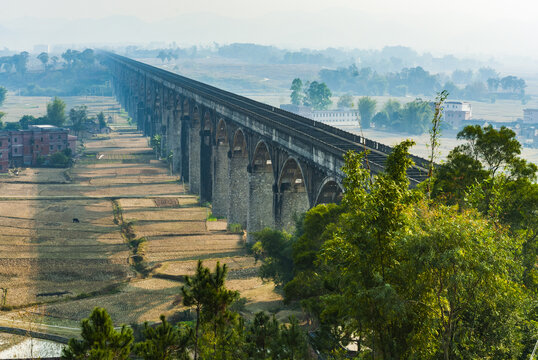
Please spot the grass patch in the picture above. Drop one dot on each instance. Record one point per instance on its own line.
(235, 228)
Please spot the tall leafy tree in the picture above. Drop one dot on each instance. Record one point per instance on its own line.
(318, 95)
(297, 92)
(44, 58)
(56, 112)
(495, 148)
(366, 110)
(78, 116)
(99, 339)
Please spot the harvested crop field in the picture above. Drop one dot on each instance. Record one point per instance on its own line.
(67, 268)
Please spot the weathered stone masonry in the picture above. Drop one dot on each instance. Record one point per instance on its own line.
(259, 166)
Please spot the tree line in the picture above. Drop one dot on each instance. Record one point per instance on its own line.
(413, 117)
(482, 86)
(73, 58)
(428, 273)
(217, 330)
(71, 73)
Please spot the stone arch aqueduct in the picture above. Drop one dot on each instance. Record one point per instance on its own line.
(257, 164)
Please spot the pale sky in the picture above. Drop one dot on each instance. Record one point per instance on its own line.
(478, 27)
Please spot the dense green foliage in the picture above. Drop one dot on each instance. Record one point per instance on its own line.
(314, 94)
(405, 277)
(414, 117)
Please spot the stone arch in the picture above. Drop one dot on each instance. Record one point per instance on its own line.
(221, 166)
(293, 194)
(261, 196)
(239, 188)
(330, 191)
(206, 159)
(194, 151)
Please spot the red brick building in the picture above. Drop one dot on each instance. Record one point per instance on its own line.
(25, 147)
(4, 152)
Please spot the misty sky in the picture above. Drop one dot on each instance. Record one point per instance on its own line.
(476, 27)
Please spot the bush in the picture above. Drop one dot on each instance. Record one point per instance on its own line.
(235, 228)
(59, 159)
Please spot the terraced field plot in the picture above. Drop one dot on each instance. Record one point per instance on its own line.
(68, 268)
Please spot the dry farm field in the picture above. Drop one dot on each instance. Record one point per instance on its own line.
(60, 270)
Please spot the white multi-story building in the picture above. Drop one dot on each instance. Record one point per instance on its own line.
(455, 112)
(339, 117)
(530, 116)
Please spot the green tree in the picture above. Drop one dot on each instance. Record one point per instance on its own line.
(44, 58)
(345, 101)
(381, 119)
(467, 288)
(56, 112)
(195, 293)
(275, 249)
(3, 94)
(297, 92)
(415, 117)
(101, 120)
(27, 120)
(367, 110)
(392, 108)
(293, 341)
(100, 340)
(164, 342)
(318, 95)
(59, 159)
(78, 116)
(262, 337)
(20, 61)
(216, 313)
(454, 177)
(495, 148)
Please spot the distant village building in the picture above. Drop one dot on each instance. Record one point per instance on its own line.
(530, 116)
(339, 117)
(456, 112)
(24, 147)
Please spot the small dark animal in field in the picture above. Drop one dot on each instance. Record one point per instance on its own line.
(75, 220)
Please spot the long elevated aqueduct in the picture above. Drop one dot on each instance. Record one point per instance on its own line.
(258, 165)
